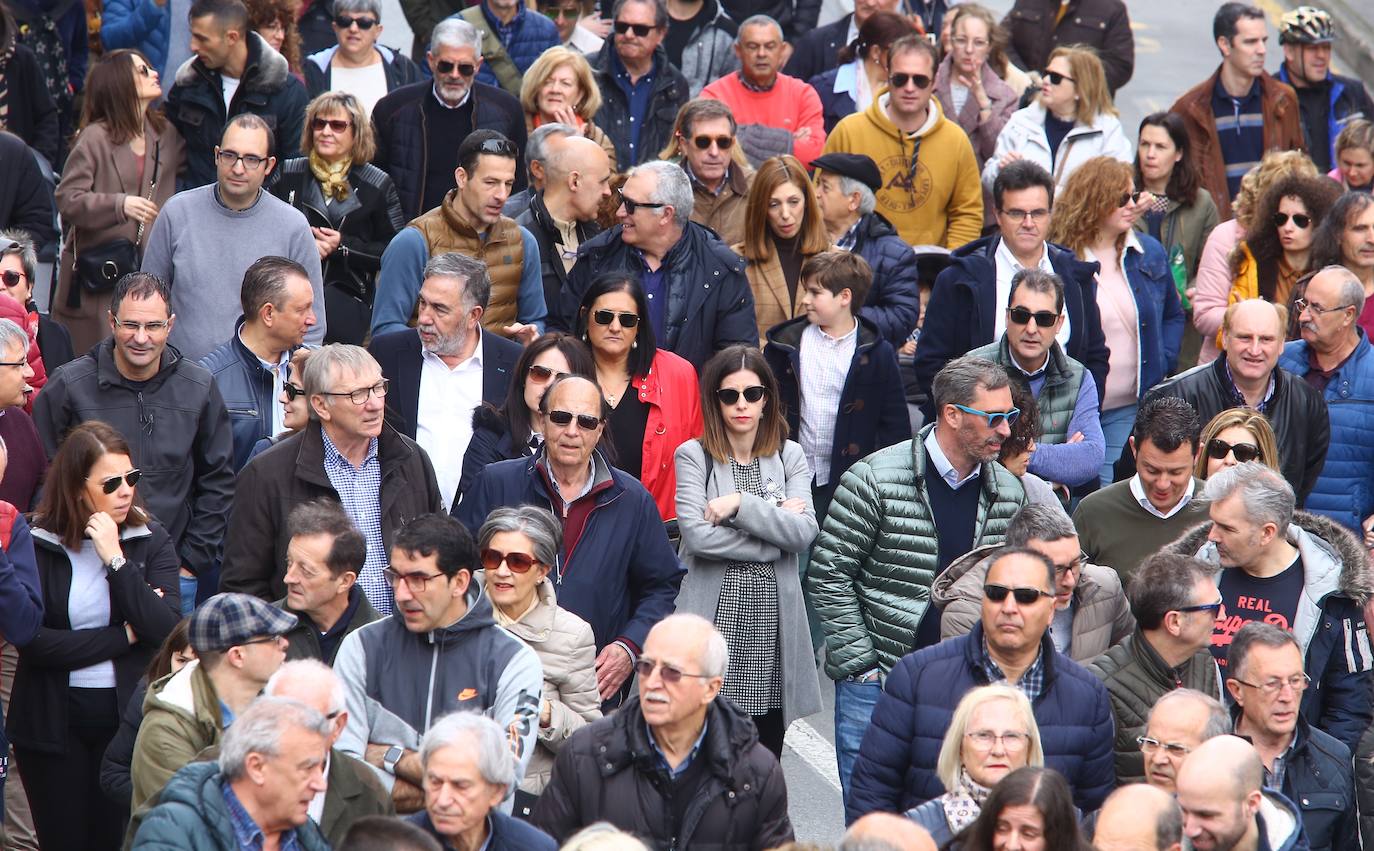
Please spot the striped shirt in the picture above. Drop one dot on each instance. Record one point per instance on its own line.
(824, 366)
(1240, 131)
(360, 490)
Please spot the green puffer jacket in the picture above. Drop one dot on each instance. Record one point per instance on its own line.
(872, 566)
(1059, 394)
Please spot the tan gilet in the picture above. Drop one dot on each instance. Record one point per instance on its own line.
(503, 251)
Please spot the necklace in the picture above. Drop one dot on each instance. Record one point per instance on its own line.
(614, 397)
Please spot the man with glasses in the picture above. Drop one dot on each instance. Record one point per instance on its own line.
(1179, 721)
(617, 570)
(896, 768)
(169, 409)
(640, 89)
(347, 453)
(658, 767)
(239, 645)
(1299, 572)
(205, 239)
(704, 140)
(357, 64)
(440, 652)
(932, 192)
(1174, 601)
(1266, 681)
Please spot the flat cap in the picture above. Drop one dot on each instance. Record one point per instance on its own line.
(228, 620)
(857, 166)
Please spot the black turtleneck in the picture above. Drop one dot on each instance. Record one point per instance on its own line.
(789, 255)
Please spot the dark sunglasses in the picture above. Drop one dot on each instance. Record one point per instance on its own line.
(1129, 198)
(899, 81)
(704, 142)
(729, 395)
(1302, 220)
(640, 30)
(586, 422)
(343, 22)
(670, 675)
(11, 278)
(466, 69)
(517, 562)
(1057, 78)
(111, 484)
(1023, 596)
(338, 125)
(606, 317)
(1244, 452)
(554, 13)
(1201, 607)
(1022, 315)
(631, 205)
(292, 391)
(540, 374)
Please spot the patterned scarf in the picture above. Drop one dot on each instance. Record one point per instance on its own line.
(333, 177)
(963, 804)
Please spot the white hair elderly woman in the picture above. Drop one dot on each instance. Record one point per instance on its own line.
(992, 733)
(518, 547)
(468, 769)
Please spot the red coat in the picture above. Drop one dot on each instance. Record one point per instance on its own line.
(15, 312)
(670, 391)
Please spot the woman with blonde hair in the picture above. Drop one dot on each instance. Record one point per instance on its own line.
(1072, 121)
(1142, 317)
(1354, 169)
(559, 89)
(782, 229)
(992, 733)
(352, 207)
(1235, 436)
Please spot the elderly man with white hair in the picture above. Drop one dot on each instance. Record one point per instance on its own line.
(258, 794)
(677, 764)
(468, 769)
(699, 299)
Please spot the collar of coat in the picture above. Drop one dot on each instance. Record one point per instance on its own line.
(729, 737)
(266, 69)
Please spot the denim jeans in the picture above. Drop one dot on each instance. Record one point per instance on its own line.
(854, 702)
(188, 595)
(1116, 427)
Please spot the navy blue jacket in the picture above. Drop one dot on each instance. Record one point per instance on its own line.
(533, 34)
(1159, 312)
(895, 770)
(246, 386)
(873, 410)
(507, 833)
(1347, 100)
(671, 90)
(894, 300)
(21, 598)
(962, 312)
(834, 105)
(818, 50)
(1319, 777)
(622, 575)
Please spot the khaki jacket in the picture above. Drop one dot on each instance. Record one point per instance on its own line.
(766, 279)
(723, 212)
(181, 718)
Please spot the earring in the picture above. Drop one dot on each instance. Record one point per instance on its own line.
(635, 344)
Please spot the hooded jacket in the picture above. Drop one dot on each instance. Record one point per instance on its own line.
(1329, 624)
(177, 427)
(398, 682)
(943, 205)
(671, 90)
(1280, 824)
(319, 70)
(181, 718)
(1024, 133)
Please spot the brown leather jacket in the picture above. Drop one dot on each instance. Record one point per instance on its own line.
(1282, 130)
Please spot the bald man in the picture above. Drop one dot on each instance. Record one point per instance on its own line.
(1138, 817)
(884, 831)
(561, 216)
(1226, 808)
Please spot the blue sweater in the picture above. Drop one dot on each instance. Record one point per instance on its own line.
(1073, 463)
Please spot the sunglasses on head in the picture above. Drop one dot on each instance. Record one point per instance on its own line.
(606, 317)
(517, 562)
(1129, 198)
(11, 278)
(292, 391)
(1057, 78)
(729, 395)
(466, 69)
(1301, 220)
(993, 417)
(900, 81)
(1023, 596)
(586, 422)
(338, 125)
(1218, 449)
(540, 374)
(111, 484)
(704, 142)
(343, 22)
(1022, 315)
(640, 30)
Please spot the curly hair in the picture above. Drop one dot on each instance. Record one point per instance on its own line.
(1091, 194)
(1256, 182)
(1026, 429)
(1317, 195)
(263, 12)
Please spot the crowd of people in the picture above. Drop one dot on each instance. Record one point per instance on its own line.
(492, 445)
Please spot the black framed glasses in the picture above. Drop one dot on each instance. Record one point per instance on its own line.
(1302, 304)
(517, 562)
(1202, 607)
(416, 582)
(1023, 596)
(540, 374)
(722, 142)
(338, 125)
(994, 418)
(263, 639)
(670, 674)
(729, 395)
(631, 204)
(1300, 220)
(640, 30)
(1271, 687)
(252, 162)
(1173, 749)
(111, 484)
(606, 317)
(1057, 78)
(1019, 216)
(586, 422)
(466, 69)
(12, 278)
(1021, 315)
(1217, 449)
(901, 81)
(13, 363)
(343, 22)
(362, 394)
(292, 391)
(1076, 564)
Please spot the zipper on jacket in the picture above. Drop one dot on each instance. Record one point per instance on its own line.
(429, 698)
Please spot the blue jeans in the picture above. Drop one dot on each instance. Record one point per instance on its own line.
(854, 702)
(1116, 427)
(188, 595)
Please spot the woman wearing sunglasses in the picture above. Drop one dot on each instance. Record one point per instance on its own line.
(745, 513)
(295, 407)
(111, 596)
(1072, 121)
(559, 88)
(359, 65)
(122, 168)
(518, 547)
(652, 392)
(1142, 318)
(1233, 437)
(351, 205)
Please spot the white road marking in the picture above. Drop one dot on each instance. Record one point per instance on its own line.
(814, 750)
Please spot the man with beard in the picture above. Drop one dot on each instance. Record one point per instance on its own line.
(446, 366)
(1225, 805)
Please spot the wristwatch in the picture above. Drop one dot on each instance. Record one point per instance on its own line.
(116, 563)
(391, 757)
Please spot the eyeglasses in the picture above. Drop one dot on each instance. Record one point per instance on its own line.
(631, 205)
(704, 142)
(994, 417)
(900, 81)
(984, 740)
(1020, 216)
(1022, 315)
(586, 422)
(540, 374)
(1057, 78)
(1300, 220)
(466, 69)
(12, 278)
(556, 13)
(292, 391)
(14, 363)
(362, 394)
(416, 582)
(338, 125)
(1271, 687)
(252, 162)
(964, 43)
(517, 562)
(1302, 304)
(266, 639)
(729, 395)
(1201, 607)
(1173, 749)
(1023, 596)
(155, 327)
(343, 22)
(606, 317)
(671, 676)
(1218, 449)
(111, 484)
(1129, 198)
(1077, 563)
(640, 30)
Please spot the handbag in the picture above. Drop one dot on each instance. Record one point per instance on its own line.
(99, 267)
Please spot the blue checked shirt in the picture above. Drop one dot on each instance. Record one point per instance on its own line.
(360, 490)
(246, 831)
(1032, 682)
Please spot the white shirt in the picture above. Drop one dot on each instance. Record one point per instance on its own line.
(367, 84)
(825, 362)
(1007, 267)
(1138, 491)
(88, 607)
(316, 808)
(229, 85)
(936, 456)
(443, 425)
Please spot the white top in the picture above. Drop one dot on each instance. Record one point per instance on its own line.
(443, 425)
(936, 456)
(229, 86)
(88, 607)
(825, 362)
(1138, 491)
(367, 84)
(1007, 267)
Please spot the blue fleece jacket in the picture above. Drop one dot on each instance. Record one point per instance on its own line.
(21, 601)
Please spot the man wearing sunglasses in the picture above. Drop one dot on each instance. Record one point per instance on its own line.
(641, 90)
(1297, 571)
(357, 64)
(1010, 644)
(704, 142)
(1175, 602)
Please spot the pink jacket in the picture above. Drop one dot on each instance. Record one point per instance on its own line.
(1213, 284)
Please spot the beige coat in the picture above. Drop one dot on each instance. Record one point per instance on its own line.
(95, 181)
(723, 212)
(769, 285)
